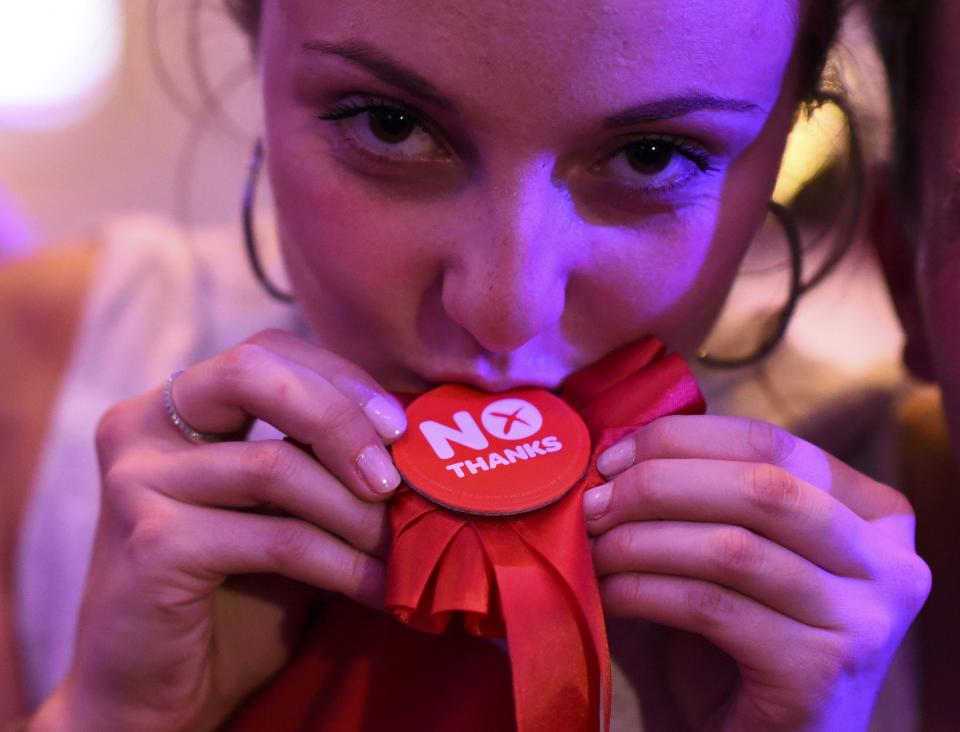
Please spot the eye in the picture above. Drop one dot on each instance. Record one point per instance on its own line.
(387, 130)
(658, 163)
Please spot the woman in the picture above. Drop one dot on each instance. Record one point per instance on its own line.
(494, 194)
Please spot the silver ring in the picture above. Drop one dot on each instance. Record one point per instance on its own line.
(194, 435)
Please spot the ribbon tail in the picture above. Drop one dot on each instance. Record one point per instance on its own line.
(562, 545)
(552, 652)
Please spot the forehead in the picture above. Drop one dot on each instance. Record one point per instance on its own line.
(566, 50)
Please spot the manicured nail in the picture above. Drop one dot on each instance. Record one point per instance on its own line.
(386, 415)
(596, 501)
(377, 469)
(618, 458)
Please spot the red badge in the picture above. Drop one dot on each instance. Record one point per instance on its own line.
(492, 454)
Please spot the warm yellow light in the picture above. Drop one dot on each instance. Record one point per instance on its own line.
(813, 142)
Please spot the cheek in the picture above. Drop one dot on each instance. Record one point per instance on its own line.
(708, 248)
(345, 246)
(667, 278)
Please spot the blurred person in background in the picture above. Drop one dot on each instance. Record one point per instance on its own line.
(15, 234)
(917, 231)
(476, 228)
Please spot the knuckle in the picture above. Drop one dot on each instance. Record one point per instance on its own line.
(768, 443)
(151, 540)
(619, 542)
(874, 638)
(268, 338)
(737, 551)
(288, 544)
(707, 604)
(621, 593)
(916, 580)
(894, 503)
(238, 363)
(834, 658)
(274, 463)
(356, 571)
(340, 417)
(111, 431)
(371, 523)
(120, 488)
(118, 478)
(642, 478)
(656, 437)
(772, 489)
(921, 582)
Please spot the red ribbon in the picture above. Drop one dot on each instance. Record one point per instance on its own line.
(530, 577)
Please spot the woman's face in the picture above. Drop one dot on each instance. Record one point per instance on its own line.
(498, 193)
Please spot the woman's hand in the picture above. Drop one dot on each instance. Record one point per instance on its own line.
(159, 646)
(797, 567)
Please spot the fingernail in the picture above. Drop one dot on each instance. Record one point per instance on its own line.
(386, 415)
(596, 501)
(377, 469)
(616, 459)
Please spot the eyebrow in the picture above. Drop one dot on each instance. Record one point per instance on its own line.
(390, 71)
(672, 107)
(383, 67)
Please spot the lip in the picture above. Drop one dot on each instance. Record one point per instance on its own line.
(486, 383)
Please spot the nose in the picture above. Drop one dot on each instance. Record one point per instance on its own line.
(507, 280)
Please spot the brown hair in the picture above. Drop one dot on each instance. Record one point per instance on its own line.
(816, 37)
(898, 26)
(246, 14)
(821, 26)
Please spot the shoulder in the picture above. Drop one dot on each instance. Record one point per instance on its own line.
(43, 290)
(41, 298)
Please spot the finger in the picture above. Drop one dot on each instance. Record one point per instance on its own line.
(223, 393)
(730, 556)
(771, 648)
(763, 498)
(383, 411)
(749, 440)
(209, 544)
(274, 473)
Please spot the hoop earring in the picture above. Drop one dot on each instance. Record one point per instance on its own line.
(786, 312)
(249, 238)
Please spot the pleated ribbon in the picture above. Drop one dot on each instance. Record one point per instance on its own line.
(527, 577)
(530, 577)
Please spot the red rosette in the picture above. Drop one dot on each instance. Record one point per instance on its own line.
(529, 576)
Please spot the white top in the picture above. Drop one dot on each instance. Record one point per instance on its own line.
(163, 299)
(160, 301)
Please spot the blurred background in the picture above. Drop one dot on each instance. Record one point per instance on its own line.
(116, 106)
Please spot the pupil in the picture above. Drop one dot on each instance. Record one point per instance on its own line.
(649, 157)
(390, 126)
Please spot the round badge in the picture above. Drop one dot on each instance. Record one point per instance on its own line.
(492, 454)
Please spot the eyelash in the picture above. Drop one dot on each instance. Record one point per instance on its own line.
(697, 155)
(701, 159)
(354, 108)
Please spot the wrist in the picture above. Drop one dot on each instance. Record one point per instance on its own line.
(66, 711)
(69, 710)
